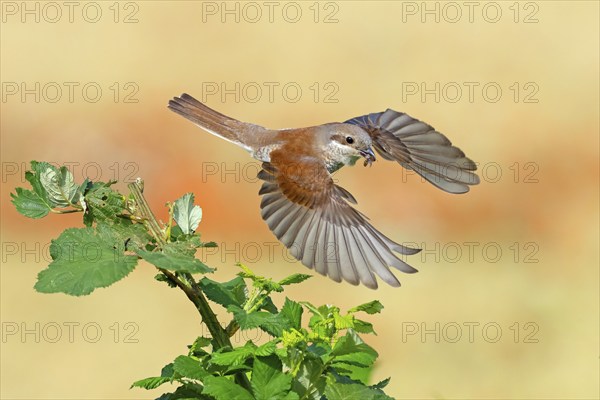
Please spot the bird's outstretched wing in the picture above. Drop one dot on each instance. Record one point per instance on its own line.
(311, 216)
(415, 145)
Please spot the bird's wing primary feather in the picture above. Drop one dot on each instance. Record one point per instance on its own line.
(311, 216)
(415, 145)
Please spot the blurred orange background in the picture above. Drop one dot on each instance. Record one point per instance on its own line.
(506, 303)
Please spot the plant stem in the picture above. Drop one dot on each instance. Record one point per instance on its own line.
(73, 210)
(188, 285)
(143, 209)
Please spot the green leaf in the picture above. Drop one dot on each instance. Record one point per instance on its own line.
(222, 388)
(343, 321)
(382, 384)
(295, 278)
(291, 396)
(186, 244)
(268, 305)
(353, 357)
(351, 343)
(103, 203)
(169, 258)
(372, 307)
(227, 293)
(150, 383)
(322, 312)
(60, 186)
(361, 326)
(309, 381)
(30, 204)
(134, 234)
(186, 214)
(354, 391)
(233, 357)
(273, 324)
(83, 260)
(166, 375)
(266, 349)
(354, 372)
(246, 272)
(292, 311)
(291, 338)
(189, 391)
(268, 380)
(189, 367)
(33, 177)
(33, 204)
(196, 349)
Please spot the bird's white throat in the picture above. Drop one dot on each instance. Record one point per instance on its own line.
(337, 155)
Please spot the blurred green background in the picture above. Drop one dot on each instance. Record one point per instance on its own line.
(506, 301)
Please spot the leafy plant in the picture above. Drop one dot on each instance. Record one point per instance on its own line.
(322, 358)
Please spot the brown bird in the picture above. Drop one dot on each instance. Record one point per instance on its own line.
(310, 214)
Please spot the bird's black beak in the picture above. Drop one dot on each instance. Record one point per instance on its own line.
(369, 156)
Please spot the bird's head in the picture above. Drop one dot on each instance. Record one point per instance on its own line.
(347, 143)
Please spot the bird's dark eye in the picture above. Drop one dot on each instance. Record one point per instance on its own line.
(349, 139)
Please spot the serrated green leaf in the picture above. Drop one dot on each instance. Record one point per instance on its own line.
(233, 357)
(291, 396)
(322, 312)
(33, 204)
(363, 360)
(343, 321)
(353, 357)
(188, 391)
(60, 186)
(103, 203)
(186, 244)
(199, 343)
(222, 388)
(246, 272)
(381, 384)
(166, 375)
(83, 260)
(295, 278)
(134, 234)
(268, 305)
(361, 326)
(266, 349)
(228, 293)
(273, 324)
(173, 260)
(268, 380)
(150, 383)
(186, 214)
(168, 371)
(268, 285)
(189, 367)
(291, 338)
(355, 391)
(33, 177)
(292, 311)
(372, 307)
(354, 372)
(351, 343)
(176, 232)
(309, 383)
(30, 204)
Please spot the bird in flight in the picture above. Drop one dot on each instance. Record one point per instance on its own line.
(311, 215)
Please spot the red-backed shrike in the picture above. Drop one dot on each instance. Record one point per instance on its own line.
(307, 211)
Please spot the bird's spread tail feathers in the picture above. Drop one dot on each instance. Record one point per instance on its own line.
(213, 121)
